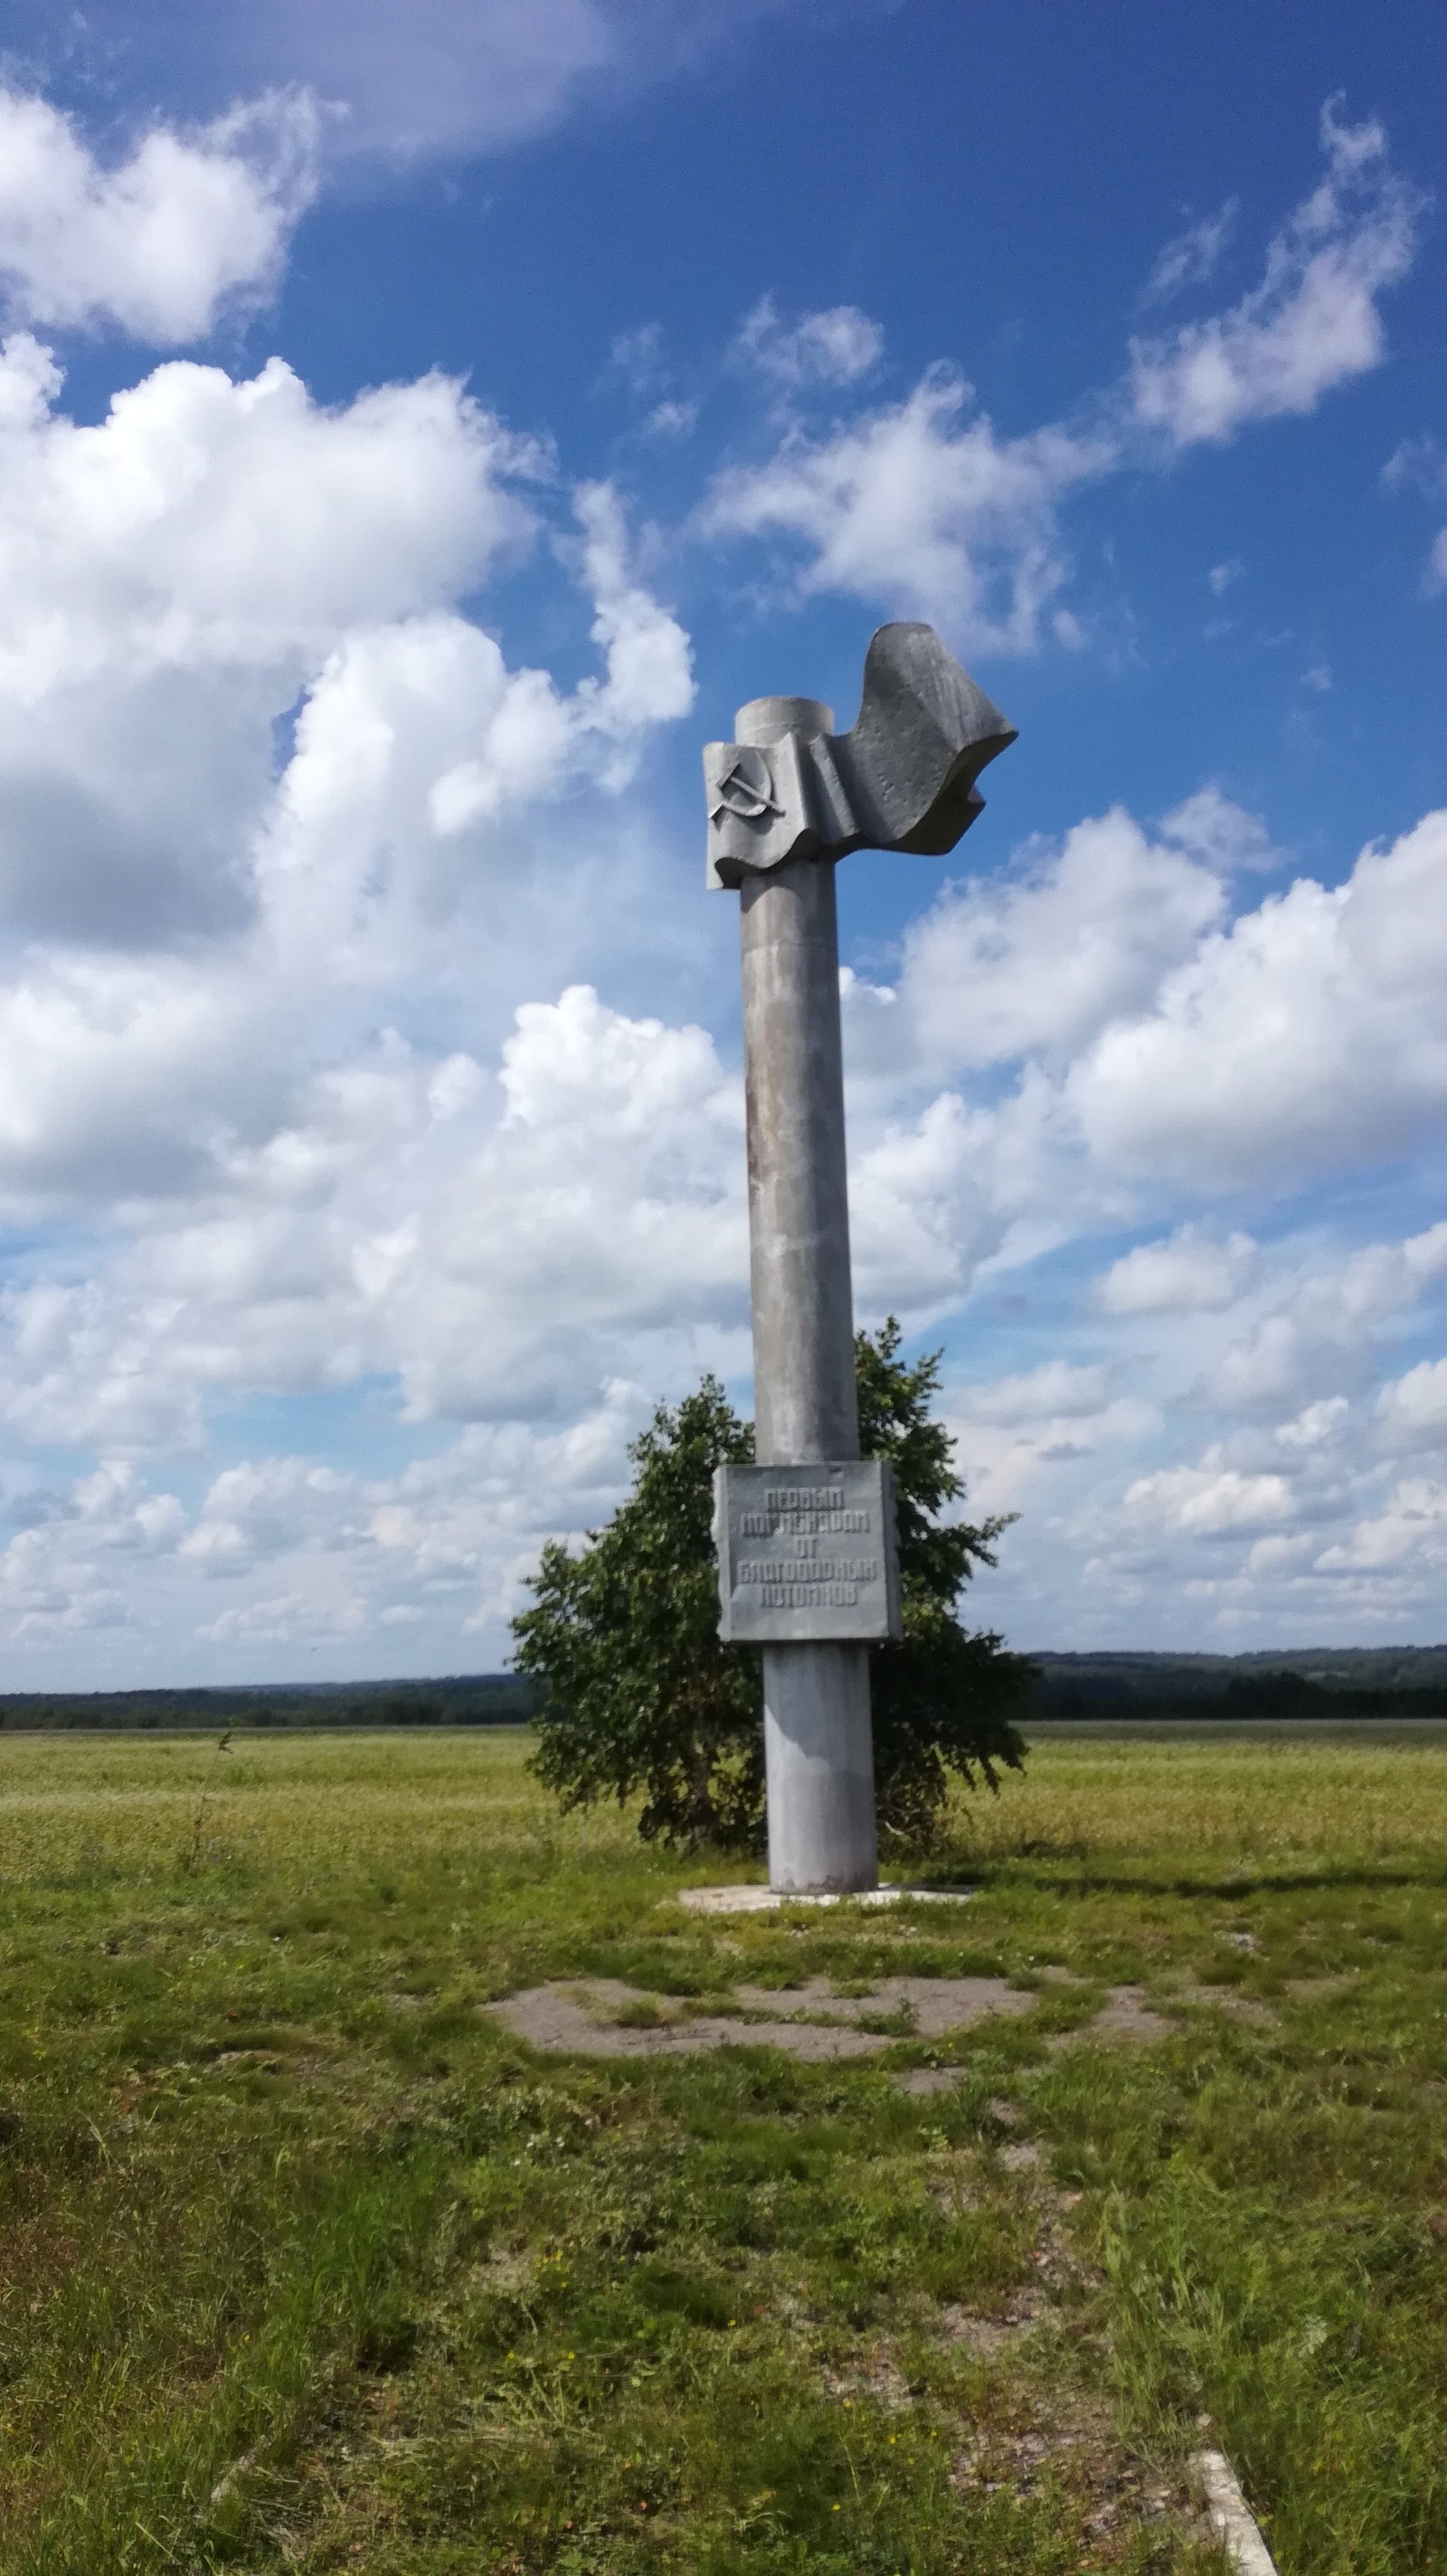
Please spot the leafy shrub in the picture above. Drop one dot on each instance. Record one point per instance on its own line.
(640, 1695)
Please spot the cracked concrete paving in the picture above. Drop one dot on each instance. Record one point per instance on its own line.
(603, 2017)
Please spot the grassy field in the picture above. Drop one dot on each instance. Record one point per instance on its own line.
(306, 2263)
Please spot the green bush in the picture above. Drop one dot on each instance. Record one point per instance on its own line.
(639, 1693)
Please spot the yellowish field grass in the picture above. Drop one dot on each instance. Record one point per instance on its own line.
(290, 1802)
(1255, 1795)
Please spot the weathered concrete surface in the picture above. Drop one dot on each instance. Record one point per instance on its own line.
(786, 799)
(818, 1749)
(603, 2017)
(581, 2020)
(807, 1555)
(819, 1768)
(742, 1898)
(902, 779)
(1127, 2015)
(1231, 2516)
(803, 1308)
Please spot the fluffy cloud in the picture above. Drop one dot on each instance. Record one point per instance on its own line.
(1184, 1275)
(1326, 1321)
(1057, 1388)
(133, 542)
(1024, 1437)
(1312, 323)
(416, 732)
(1412, 1410)
(414, 1221)
(79, 1554)
(288, 1223)
(1219, 832)
(1410, 1534)
(1309, 1036)
(1191, 257)
(833, 348)
(1039, 960)
(926, 1205)
(282, 1551)
(160, 243)
(923, 508)
(1315, 1424)
(1210, 1500)
(149, 652)
(246, 797)
(149, 645)
(409, 76)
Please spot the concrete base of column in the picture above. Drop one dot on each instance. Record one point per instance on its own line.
(819, 1757)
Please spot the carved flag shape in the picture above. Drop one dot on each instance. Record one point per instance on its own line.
(903, 779)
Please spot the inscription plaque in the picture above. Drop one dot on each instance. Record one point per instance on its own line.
(806, 1555)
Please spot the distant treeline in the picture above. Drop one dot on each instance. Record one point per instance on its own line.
(1331, 1681)
(475, 1699)
(1318, 1681)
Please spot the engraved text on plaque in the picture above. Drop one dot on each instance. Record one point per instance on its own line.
(806, 1554)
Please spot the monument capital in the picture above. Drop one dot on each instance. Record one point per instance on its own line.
(902, 779)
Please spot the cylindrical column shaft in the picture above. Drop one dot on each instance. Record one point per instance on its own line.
(819, 1768)
(817, 1739)
(803, 1305)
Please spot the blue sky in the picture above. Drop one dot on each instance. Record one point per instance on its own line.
(422, 428)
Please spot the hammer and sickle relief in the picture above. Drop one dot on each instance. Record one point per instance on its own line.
(746, 789)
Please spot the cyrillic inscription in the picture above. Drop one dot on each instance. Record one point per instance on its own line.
(806, 1554)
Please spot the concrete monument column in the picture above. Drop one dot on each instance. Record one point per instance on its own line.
(818, 1752)
(806, 1536)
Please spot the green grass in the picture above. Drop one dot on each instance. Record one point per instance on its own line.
(305, 2263)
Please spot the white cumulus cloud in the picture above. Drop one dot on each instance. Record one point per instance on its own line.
(1412, 1409)
(1310, 1035)
(158, 243)
(1040, 959)
(836, 347)
(924, 507)
(1210, 1500)
(1313, 322)
(1189, 1272)
(1411, 1531)
(1328, 1319)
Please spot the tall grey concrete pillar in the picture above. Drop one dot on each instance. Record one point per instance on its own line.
(818, 1752)
(806, 1561)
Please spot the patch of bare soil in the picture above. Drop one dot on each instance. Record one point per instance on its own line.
(1124, 2016)
(1077, 2449)
(874, 2374)
(988, 2337)
(1228, 1999)
(1022, 2155)
(1039, 2422)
